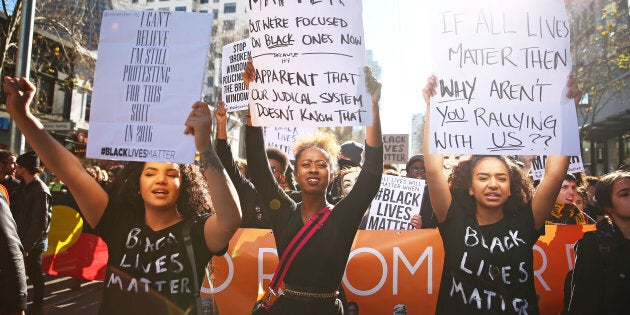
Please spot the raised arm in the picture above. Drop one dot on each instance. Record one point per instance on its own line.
(220, 227)
(434, 163)
(90, 196)
(555, 171)
(373, 136)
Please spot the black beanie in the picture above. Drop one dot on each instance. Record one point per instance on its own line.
(29, 161)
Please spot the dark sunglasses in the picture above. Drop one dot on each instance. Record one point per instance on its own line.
(415, 169)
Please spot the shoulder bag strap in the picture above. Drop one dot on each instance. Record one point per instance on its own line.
(296, 244)
(193, 265)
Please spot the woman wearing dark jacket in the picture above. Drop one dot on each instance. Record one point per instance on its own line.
(600, 282)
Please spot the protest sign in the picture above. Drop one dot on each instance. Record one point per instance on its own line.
(397, 200)
(283, 138)
(538, 166)
(395, 148)
(309, 58)
(233, 61)
(149, 72)
(502, 68)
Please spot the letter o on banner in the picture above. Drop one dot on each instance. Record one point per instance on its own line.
(228, 279)
(383, 273)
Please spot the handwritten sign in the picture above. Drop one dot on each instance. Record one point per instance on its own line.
(149, 72)
(232, 65)
(395, 148)
(538, 166)
(502, 69)
(283, 138)
(397, 200)
(309, 58)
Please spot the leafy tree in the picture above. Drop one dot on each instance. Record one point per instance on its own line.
(601, 55)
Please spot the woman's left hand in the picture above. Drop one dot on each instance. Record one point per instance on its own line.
(199, 124)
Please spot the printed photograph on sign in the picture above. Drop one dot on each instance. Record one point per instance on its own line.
(309, 58)
(501, 78)
(149, 72)
(233, 91)
(397, 200)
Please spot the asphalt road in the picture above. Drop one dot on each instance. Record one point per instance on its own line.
(61, 298)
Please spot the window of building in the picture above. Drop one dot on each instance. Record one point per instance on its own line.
(203, 11)
(180, 8)
(203, 1)
(210, 81)
(215, 1)
(229, 7)
(150, 1)
(134, 1)
(163, 9)
(228, 25)
(163, 0)
(215, 13)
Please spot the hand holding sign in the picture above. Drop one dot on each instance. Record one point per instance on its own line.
(199, 124)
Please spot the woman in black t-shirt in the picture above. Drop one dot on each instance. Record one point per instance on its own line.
(314, 277)
(142, 219)
(489, 222)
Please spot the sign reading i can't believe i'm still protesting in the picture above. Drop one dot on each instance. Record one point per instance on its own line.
(149, 72)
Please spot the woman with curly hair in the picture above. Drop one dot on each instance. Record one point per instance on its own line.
(313, 279)
(142, 216)
(489, 221)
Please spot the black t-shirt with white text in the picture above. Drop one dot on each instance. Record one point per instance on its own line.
(489, 268)
(149, 272)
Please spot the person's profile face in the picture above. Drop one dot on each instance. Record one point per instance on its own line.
(620, 201)
(8, 166)
(277, 171)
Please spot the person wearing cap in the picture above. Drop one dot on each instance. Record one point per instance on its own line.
(426, 219)
(350, 153)
(33, 210)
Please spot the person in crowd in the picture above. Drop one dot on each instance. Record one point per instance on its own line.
(313, 280)
(350, 155)
(391, 169)
(12, 274)
(489, 222)
(591, 209)
(255, 212)
(580, 199)
(400, 309)
(352, 308)
(426, 219)
(564, 210)
(32, 208)
(142, 219)
(56, 184)
(7, 173)
(600, 283)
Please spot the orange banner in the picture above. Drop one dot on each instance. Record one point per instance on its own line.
(385, 268)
